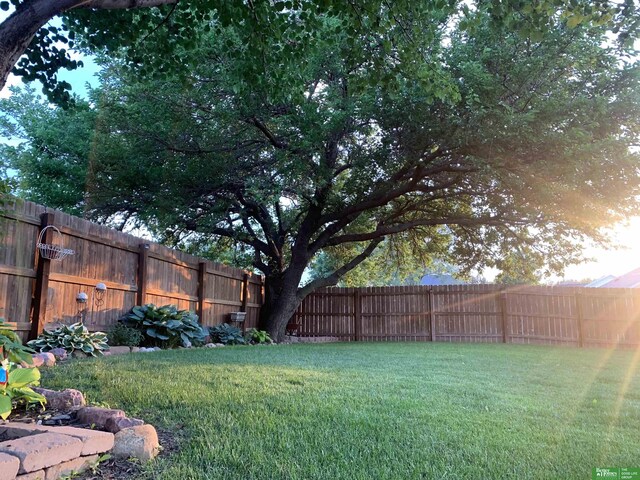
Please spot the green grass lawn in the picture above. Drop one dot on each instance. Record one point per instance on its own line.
(377, 411)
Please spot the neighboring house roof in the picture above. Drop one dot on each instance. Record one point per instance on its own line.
(570, 283)
(599, 282)
(628, 280)
(439, 279)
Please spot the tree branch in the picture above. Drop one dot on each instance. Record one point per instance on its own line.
(333, 278)
(383, 230)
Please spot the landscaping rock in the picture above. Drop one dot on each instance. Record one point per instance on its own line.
(36, 361)
(138, 442)
(39, 475)
(115, 424)
(67, 469)
(43, 450)
(119, 350)
(210, 345)
(219, 344)
(63, 400)
(59, 353)
(14, 430)
(9, 466)
(98, 416)
(135, 349)
(93, 441)
(56, 420)
(78, 354)
(48, 359)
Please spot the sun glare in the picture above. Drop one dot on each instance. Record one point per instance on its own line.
(613, 261)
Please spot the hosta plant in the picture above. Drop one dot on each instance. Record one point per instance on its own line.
(256, 336)
(72, 338)
(11, 347)
(166, 326)
(15, 388)
(226, 334)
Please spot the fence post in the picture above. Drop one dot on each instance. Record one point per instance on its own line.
(41, 291)
(580, 319)
(505, 315)
(143, 257)
(202, 278)
(432, 314)
(245, 292)
(357, 315)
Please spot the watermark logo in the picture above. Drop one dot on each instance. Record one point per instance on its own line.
(615, 473)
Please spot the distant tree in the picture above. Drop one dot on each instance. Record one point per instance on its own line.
(457, 129)
(49, 148)
(523, 266)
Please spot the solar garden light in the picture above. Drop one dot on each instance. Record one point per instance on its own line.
(99, 292)
(97, 299)
(81, 301)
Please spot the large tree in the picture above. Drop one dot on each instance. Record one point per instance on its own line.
(479, 138)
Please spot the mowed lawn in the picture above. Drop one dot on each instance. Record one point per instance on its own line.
(377, 410)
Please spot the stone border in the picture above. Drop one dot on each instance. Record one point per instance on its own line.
(32, 451)
(48, 453)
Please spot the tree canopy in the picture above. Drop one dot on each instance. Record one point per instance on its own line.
(156, 36)
(459, 134)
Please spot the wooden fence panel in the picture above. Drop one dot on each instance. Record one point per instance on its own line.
(113, 258)
(394, 313)
(476, 313)
(543, 315)
(467, 313)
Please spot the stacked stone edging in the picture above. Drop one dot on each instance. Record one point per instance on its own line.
(48, 453)
(40, 452)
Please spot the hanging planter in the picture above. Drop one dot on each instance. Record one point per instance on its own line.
(54, 250)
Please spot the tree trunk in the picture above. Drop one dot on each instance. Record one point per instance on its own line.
(280, 303)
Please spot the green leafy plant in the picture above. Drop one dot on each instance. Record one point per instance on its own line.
(11, 347)
(72, 338)
(256, 336)
(18, 390)
(227, 334)
(166, 326)
(120, 334)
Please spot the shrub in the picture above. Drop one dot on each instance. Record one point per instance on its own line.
(121, 335)
(71, 338)
(166, 326)
(11, 346)
(256, 336)
(226, 334)
(18, 390)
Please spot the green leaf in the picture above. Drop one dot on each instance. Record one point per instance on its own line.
(21, 377)
(574, 20)
(5, 406)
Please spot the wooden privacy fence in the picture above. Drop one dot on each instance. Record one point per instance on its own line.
(35, 292)
(475, 313)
